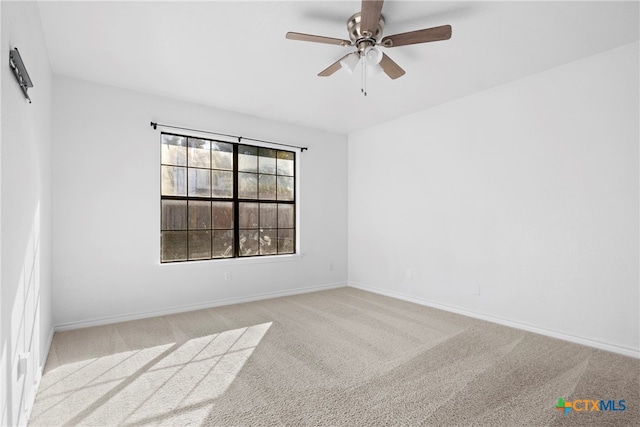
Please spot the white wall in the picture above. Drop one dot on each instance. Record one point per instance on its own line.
(25, 224)
(106, 180)
(526, 194)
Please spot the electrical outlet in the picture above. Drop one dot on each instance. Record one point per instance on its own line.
(227, 275)
(330, 266)
(23, 358)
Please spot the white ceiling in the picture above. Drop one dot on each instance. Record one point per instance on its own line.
(234, 55)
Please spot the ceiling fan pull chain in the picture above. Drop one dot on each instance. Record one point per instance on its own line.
(361, 76)
(363, 59)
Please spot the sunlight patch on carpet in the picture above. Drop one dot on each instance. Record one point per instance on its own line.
(150, 384)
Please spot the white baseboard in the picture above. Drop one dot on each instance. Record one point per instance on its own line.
(625, 351)
(181, 309)
(631, 352)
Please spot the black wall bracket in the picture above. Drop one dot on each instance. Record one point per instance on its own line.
(20, 71)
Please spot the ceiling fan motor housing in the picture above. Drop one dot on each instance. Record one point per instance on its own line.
(362, 41)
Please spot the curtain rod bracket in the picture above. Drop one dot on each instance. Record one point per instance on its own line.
(154, 125)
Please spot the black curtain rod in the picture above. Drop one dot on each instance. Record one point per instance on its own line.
(239, 138)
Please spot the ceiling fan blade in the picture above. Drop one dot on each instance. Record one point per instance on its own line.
(419, 36)
(392, 69)
(369, 17)
(332, 68)
(317, 39)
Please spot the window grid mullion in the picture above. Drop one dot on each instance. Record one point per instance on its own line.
(213, 232)
(236, 205)
(187, 186)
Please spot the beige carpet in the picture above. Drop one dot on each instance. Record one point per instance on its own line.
(341, 357)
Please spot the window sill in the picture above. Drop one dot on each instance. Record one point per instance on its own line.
(232, 262)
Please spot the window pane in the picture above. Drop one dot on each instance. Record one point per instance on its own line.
(267, 187)
(268, 215)
(286, 155)
(248, 215)
(247, 185)
(249, 150)
(268, 241)
(174, 181)
(267, 161)
(285, 167)
(222, 244)
(222, 183)
(199, 215)
(222, 215)
(249, 243)
(286, 218)
(174, 150)
(221, 155)
(285, 188)
(174, 215)
(247, 163)
(286, 241)
(174, 246)
(247, 158)
(199, 182)
(199, 154)
(267, 152)
(199, 244)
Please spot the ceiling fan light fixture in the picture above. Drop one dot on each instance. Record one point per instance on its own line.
(350, 62)
(373, 55)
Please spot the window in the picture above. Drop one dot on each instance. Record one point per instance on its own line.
(224, 200)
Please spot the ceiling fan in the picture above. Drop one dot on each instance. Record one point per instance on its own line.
(365, 33)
